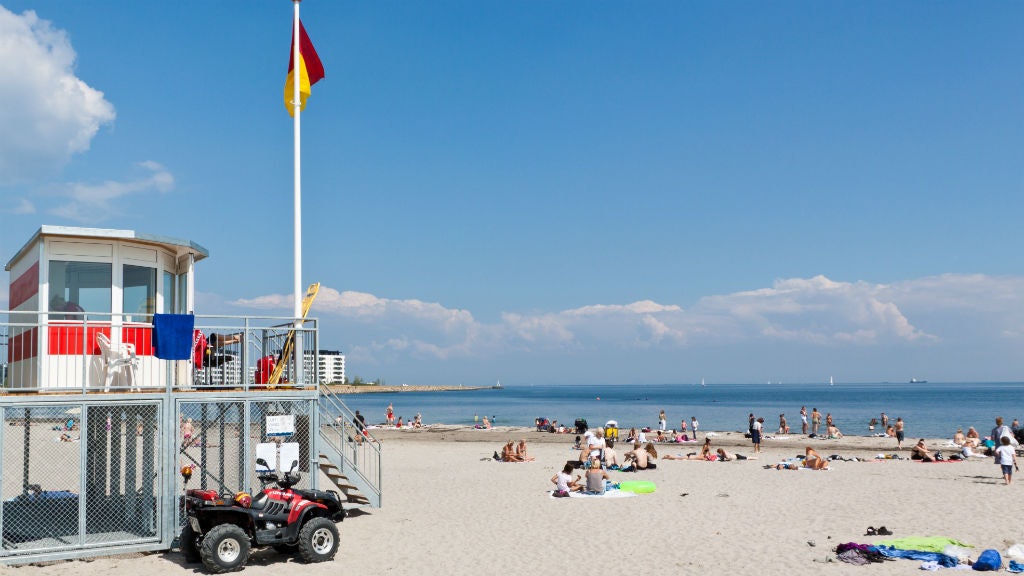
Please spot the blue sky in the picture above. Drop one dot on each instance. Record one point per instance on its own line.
(549, 192)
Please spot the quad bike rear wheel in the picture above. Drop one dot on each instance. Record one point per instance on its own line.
(189, 549)
(225, 549)
(318, 540)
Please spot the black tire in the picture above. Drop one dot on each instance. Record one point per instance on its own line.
(318, 540)
(225, 549)
(189, 546)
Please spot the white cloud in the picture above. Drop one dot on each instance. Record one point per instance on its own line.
(22, 206)
(91, 203)
(804, 314)
(53, 113)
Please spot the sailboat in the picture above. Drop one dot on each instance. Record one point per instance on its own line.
(702, 382)
(498, 385)
(831, 382)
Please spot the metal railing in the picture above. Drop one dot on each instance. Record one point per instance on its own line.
(350, 446)
(115, 352)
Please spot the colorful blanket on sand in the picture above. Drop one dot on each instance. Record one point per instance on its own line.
(922, 543)
(607, 494)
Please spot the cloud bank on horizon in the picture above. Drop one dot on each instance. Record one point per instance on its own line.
(803, 316)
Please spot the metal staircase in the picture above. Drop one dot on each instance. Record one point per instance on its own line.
(349, 457)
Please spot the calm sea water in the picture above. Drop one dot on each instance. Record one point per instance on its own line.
(929, 410)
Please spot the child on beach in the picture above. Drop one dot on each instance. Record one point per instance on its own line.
(1007, 458)
(564, 482)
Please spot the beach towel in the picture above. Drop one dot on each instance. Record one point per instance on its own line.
(607, 494)
(172, 336)
(942, 559)
(922, 543)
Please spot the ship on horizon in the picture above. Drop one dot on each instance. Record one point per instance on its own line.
(916, 381)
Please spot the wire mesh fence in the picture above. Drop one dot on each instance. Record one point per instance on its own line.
(81, 476)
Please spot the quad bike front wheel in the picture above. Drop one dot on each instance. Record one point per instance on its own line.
(318, 540)
(225, 549)
(189, 547)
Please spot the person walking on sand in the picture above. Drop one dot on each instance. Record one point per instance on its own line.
(898, 430)
(803, 420)
(693, 426)
(1006, 457)
(815, 421)
(662, 423)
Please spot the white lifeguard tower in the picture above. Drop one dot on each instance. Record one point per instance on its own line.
(82, 302)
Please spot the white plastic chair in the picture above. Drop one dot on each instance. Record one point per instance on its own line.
(114, 361)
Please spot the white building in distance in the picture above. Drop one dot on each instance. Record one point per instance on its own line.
(330, 366)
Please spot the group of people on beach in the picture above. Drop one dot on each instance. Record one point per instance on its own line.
(514, 452)
(706, 454)
(597, 452)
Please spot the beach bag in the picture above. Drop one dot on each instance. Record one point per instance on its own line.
(988, 560)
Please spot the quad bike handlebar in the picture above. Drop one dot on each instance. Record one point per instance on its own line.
(266, 476)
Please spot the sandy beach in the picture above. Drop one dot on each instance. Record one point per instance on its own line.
(449, 509)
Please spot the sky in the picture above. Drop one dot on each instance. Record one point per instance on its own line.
(555, 191)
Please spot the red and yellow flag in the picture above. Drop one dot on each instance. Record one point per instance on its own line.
(311, 71)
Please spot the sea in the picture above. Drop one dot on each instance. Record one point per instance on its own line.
(930, 410)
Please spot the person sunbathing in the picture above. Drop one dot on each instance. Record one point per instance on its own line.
(959, 437)
(973, 439)
(690, 456)
(611, 458)
(636, 459)
(508, 453)
(834, 432)
(726, 456)
(813, 460)
(521, 452)
(920, 452)
(705, 454)
(596, 476)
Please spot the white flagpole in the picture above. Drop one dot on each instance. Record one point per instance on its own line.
(297, 109)
(299, 354)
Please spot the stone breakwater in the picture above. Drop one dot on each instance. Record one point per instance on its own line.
(371, 389)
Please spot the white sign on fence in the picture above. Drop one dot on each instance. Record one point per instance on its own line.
(281, 425)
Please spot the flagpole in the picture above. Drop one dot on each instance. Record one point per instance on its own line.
(297, 110)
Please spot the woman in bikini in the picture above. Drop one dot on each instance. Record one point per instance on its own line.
(813, 460)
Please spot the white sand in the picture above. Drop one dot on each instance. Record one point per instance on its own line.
(447, 511)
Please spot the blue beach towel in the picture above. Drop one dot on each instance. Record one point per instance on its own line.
(942, 559)
(172, 336)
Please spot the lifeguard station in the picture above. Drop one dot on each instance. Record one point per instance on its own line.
(97, 419)
(97, 291)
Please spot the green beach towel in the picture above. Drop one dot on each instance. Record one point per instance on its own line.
(923, 543)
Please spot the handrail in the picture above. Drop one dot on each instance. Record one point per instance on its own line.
(62, 355)
(358, 449)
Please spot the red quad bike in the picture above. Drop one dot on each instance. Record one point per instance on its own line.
(223, 529)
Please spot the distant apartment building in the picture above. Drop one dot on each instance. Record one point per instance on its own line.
(330, 366)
